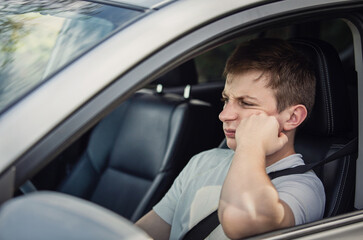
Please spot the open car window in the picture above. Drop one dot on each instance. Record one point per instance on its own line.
(59, 36)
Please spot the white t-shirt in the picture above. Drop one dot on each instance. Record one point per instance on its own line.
(195, 192)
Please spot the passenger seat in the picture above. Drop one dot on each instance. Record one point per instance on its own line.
(135, 153)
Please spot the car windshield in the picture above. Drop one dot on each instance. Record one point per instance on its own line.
(39, 37)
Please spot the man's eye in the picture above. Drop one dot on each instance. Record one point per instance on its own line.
(244, 103)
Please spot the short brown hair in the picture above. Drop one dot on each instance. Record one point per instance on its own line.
(291, 74)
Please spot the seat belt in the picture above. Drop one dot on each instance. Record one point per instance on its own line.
(202, 229)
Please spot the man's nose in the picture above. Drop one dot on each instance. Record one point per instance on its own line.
(228, 113)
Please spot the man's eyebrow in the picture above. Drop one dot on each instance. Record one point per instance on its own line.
(242, 97)
(247, 97)
(224, 94)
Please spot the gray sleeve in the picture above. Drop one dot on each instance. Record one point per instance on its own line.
(304, 194)
(167, 205)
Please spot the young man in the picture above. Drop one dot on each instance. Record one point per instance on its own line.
(268, 93)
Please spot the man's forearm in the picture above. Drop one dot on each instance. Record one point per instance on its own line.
(249, 202)
(154, 226)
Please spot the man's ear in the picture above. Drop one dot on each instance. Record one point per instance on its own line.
(295, 115)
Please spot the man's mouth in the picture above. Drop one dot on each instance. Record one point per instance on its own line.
(229, 133)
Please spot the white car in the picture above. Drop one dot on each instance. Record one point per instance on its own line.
(103, 102)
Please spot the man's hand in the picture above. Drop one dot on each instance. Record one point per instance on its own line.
(260, 132)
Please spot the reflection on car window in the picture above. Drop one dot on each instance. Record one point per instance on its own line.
(39, 37)
(210, 65)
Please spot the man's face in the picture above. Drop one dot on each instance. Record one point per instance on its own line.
(244, 95)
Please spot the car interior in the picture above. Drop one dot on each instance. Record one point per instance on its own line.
(127, 162)
(329, 128)
(134, 154)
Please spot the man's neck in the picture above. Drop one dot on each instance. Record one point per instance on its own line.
(286, 151)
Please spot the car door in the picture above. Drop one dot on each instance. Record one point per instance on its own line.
(130, 61)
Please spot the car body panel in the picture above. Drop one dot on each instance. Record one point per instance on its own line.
(52, 121)
(358, 43)
(338, 227)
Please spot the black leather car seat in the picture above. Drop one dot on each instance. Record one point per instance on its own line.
(135, 153)
(329, 126)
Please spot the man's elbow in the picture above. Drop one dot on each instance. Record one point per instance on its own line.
(238, 224)
(234, 222)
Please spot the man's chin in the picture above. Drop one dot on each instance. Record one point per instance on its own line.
(231, 143)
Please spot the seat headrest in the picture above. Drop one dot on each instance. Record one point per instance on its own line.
(180, 76)
(330, 115)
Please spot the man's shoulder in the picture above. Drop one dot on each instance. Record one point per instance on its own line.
(211, 158)
(309, 178)
(220, 152)
(215, 154)
(287, 162)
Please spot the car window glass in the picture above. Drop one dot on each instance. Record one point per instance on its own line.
(210, 65)
(38, 38)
